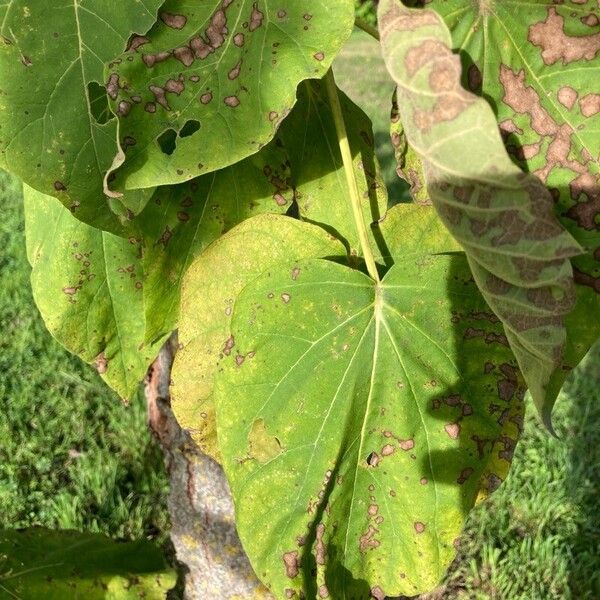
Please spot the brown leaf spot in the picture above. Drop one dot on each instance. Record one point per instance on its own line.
(453, 430)
(556, 45)
(590, 105)
(232, 101)
(173, 21)
(290, 560)
(286, 298)
(567, 96)
(101, 363)
(419, 527)
(367, 541)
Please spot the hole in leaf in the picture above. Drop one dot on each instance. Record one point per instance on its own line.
(99, 103)
(189, 128)
(167, 141)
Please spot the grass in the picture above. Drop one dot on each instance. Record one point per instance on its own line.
(73, 456)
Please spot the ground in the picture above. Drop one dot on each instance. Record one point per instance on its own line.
(73, 456)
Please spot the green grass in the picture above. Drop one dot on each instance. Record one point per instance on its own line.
(71, 454)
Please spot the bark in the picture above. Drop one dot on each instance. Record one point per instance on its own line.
(200, 505)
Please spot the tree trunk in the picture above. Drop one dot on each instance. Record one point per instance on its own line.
(203, 531)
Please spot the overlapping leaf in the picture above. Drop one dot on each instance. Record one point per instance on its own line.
(317, 172)
(228, 70)
(182, 220)
(359, 423)
(541, 62)
(88, 286)
(517, 250)
(207, 304)
(55, 131)
(55, 565)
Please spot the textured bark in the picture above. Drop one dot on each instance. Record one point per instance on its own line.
(200, 505)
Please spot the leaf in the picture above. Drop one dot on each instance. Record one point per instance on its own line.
(541, 62)
(428, 235)
(517, 250)
(229, 68)
(54, 565)
(88, 286)
(310, 138)
(384, 411)
(237, 257)
(181, 221)
(51, 71)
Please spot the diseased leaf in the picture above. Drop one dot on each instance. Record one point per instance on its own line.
(88, 286)
(382, 413)
(55, 565)
(541, 62)
(310, 138)
(207, 303)
(228, 69)
(408, 229)
(517, 250)
(55, 132)
(181, 221)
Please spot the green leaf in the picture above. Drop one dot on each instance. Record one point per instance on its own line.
(55, 565)
(207, 303)
(541, 62)
(53, 134)
(88, 286)
(228, 68)
(181, 221)
(517, 250)
(310, 138)
(359, 423)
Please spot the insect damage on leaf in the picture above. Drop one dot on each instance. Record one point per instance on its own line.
(224, 66)
(518, 252)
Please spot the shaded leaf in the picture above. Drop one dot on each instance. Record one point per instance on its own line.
(317, 172)
(54, 565)
(517, 250)
(231, 67)
(207, 303)
(51, 69)
(384, 411)
(88, 286)
(541, 62)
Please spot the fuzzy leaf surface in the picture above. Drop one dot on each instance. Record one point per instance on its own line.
(518, 252)
(88, 286)
(359, 423)
(230, 67)
(207, 305)
(56, 130)
(54, 565)
(541, 61)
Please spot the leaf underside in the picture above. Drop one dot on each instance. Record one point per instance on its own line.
(517, 250)
(541, 62)
(358, 424)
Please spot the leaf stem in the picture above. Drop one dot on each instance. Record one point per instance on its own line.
(359, 219)
(367, 27)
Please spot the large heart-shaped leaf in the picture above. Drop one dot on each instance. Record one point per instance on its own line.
(358, 422)
(228, 70)
(56, 132)
(518, 252)
(207, 304)
(542, 62)
(88, 286)
(55, 565)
